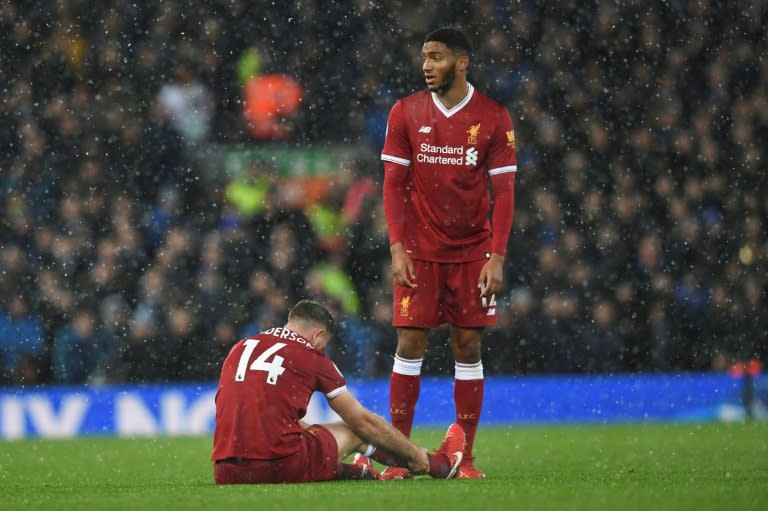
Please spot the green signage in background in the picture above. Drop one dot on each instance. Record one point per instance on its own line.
(288, 161)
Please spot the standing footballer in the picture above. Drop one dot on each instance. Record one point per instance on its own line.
(446, 148)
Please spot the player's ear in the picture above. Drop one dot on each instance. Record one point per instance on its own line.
(326, 337)
(462, 62)
(320, 337)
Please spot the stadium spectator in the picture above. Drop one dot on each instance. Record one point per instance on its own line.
(273, 307)
(270, 105)
(137, 362)
(380, 334)
(188, 103)
(513, 341)
(186, 349)
(113, 318)
(21, 342)
(603, 344)
(288, 259)
(82, 349)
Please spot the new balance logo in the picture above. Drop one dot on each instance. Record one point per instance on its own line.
(425, 129)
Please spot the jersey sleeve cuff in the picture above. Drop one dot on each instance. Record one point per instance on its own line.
(332, 394)
(500, 170)
(395, 159)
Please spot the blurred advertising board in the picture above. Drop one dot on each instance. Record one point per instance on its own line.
(188, 408)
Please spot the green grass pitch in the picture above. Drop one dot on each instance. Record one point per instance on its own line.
(627, 467)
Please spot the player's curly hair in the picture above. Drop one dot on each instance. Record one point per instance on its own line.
(456, 40)
(310, 310)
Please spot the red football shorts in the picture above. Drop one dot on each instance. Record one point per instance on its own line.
(445, 293)
(316, 460)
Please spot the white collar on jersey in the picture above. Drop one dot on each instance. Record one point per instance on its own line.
(458, 106)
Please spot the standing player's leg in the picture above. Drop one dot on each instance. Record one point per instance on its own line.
(468, 313)
(405, 385)
(405, 382)
(468, 390)
(415, 311)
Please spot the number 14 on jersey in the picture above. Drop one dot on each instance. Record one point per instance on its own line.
(273, 368)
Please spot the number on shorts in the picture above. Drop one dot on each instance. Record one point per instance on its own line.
(273, 369)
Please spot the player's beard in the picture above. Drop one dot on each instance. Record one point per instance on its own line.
(450, 76)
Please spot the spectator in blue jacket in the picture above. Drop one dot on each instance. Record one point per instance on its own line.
(21, 342)
(80, 348)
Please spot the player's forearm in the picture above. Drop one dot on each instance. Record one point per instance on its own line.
(498, 258)
(379, 432)
(396, 249)
(395, 194)
(503, 212)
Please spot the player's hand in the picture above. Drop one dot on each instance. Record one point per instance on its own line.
(419, 465)
(403, 270)
(491, 275)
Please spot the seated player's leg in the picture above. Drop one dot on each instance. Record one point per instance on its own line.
(392, 473)
(348, 442)
(443, 464)
(367, 468)
(306, 465)
(326, 442)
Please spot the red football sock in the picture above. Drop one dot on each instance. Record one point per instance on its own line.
(439, 465)
(468, 396)
(346, 471)
(404, 388)
(387, 458)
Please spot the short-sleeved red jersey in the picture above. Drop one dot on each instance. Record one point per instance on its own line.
(264, 389)
(451, 154)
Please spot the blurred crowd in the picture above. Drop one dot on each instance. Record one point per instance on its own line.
(127, 254)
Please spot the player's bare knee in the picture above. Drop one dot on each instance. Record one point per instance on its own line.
(410, 351)
(466, 347)
(411, 343)
(466, 354)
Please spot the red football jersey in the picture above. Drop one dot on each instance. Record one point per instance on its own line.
(264, 389)
(451, 155)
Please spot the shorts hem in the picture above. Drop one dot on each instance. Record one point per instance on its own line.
(427, 327)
